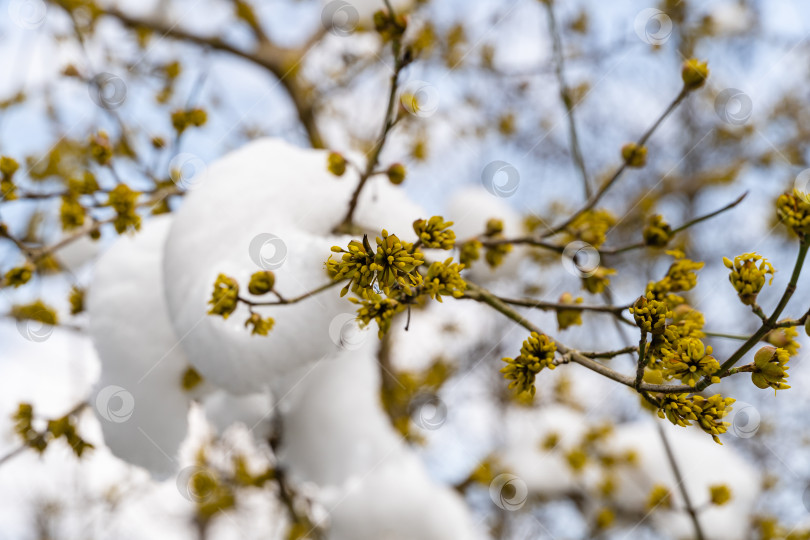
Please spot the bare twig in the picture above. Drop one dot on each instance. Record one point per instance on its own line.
(565, 95)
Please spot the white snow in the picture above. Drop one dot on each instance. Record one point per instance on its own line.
(139, 399)
(470, 209)
(703, 463)
(397, 501)
(267, 188)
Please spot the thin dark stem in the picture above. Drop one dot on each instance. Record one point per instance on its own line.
(690, 509)
(642, 359)
(768, 325)
(685, 226)
(565, 95)
(592, 201)
(389, 120)
(548, 306)
(474, 292)
(283, 300)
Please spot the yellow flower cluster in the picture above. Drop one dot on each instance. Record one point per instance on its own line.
(65, 427)
(8, 166)
(536, 353)
(393, 264)
(592, 226)
(680, 277)
(657, 232)
(435, 233)
(377, 308)
(569, 317)
(748, 278)
(650, 314)
(444, 279)
(683, 409)
(183, 119)
(793, 210)
(689, 360)
(225, 297)
(123, 200)
(495, 254)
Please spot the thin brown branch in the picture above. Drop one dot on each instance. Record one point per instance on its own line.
(676, 470)
(565, 96)
(279, 61)
(685, 226)
(284, 301)
(474, 292)
(346, 226)
(769, 324)
(592, 201)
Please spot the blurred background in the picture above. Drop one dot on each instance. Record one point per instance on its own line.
(489, 84)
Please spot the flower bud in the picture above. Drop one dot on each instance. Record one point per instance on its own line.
(657, 232)
(694, 74)
(261, 282)
(634, 155)
(770, 368)
(396, 173)
(336, 164)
